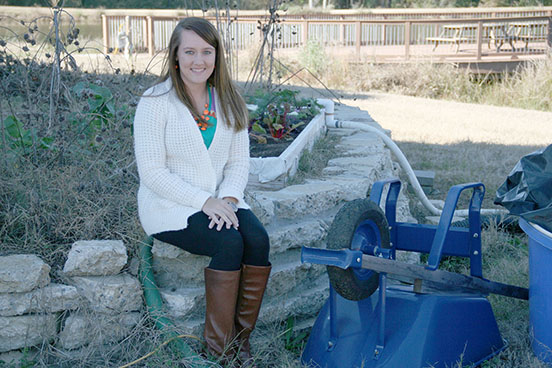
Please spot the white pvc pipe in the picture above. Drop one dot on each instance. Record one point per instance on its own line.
(405, 165)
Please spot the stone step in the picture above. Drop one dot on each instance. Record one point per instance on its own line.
(345, 178)
(363, 167)
(313, 197)
(308, 231)
(175, 267)
(288, 273)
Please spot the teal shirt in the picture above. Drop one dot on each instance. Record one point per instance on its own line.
(209, 133)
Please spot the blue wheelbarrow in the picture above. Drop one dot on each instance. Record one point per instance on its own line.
(438, 319)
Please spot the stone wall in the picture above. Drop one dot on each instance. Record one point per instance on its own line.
(99, 304)
(96, 302)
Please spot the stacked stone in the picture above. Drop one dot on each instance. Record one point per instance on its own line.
(29, 303)
(113, 300)
(295, 216)
(99, 305)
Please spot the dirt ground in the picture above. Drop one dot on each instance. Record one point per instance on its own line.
(430, 121)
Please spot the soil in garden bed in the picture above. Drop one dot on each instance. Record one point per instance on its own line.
(273, 147)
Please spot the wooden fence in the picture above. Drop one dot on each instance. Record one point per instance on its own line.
(487, 30)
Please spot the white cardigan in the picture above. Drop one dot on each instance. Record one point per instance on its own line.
(177, 171)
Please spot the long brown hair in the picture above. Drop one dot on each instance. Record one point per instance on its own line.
(231, 103)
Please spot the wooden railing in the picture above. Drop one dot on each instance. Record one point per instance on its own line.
(408, 28)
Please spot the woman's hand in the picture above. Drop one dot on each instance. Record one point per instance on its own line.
(220, 213)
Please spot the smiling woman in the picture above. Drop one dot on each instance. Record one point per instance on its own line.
(192, 153)
(196, 61)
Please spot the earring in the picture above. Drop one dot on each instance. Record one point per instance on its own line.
(176, 66)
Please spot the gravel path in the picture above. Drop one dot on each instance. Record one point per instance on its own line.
(425, 120)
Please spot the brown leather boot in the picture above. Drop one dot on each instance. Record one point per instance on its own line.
(252, 286)
(221, 291)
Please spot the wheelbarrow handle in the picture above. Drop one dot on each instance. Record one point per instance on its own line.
(347, 258)
(344, 258)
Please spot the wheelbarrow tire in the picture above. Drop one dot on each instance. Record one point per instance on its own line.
(340, 236)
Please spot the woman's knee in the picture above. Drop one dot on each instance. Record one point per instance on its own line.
(251, 229)
(232, 244)
(257, 248)
(229, 252)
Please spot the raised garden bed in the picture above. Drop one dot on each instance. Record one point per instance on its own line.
(284, 164)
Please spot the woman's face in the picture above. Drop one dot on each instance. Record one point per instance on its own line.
(195, 58)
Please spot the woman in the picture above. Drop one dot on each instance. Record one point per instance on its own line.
(192, 152)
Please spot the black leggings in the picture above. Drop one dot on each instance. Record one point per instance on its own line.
(228, 248)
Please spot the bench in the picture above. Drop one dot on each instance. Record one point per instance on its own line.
(528, 38)
(451, 40)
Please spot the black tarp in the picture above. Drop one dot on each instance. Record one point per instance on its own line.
(528, 189)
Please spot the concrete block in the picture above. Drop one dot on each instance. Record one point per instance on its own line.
(25, 331)
(21, 273)
(425, 177)
(108, 294)
(95, 258)
(49, 299)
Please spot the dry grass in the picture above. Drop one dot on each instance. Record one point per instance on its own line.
(82, 190)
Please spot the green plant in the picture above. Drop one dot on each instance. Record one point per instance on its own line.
(277, 122)
(100, 110)
(19, 139)
(294, 341)
(279, 113)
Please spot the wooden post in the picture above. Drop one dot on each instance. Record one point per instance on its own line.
(305, 37)
(407, 26)
(149, 41)
(549, 36)
(128, 34)
(144, 43)
(342, 32)
(479, 39)
(105, 34)
(383, 33)
(358, 38)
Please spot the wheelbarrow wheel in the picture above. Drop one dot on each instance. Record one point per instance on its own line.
(359, 225)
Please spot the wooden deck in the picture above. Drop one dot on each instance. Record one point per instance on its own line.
(490, 61)
(476, 37)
